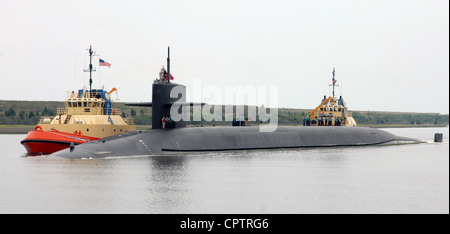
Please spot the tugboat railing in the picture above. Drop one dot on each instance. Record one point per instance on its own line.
(83, 111)
(88, 110)
(61, 111)
(112, 111)
(129, 121)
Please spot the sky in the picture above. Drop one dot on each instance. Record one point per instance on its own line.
(388, 55)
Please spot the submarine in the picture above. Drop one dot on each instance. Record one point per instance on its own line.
(173, 137)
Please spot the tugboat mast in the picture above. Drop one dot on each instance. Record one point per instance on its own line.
(91, 68)
(333, 83)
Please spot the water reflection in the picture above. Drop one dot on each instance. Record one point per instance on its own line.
(167, 183)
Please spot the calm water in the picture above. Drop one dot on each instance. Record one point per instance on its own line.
(376, 179)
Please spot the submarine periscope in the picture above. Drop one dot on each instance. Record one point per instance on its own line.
(167, 138)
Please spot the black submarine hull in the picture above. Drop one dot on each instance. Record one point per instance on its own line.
(197, 139)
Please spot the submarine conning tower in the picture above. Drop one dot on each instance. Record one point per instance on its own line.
(162, 101)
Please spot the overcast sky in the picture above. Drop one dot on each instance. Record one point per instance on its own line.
(389, 55)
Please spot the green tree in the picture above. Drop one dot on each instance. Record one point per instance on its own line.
(31, 115)
(11, 112)
(22, 114)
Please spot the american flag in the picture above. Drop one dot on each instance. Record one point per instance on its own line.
(103, 63)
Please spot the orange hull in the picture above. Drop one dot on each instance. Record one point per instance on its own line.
(38, 142)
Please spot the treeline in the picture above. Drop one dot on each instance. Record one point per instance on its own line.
(10, 117)
(29, 113)
(386, 118)
(26, 113)
(142, 116)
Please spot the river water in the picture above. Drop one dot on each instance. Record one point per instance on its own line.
(375, 179)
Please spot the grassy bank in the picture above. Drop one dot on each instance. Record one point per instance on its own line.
(16, 129)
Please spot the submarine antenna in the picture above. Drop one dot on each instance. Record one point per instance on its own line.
(168, 64)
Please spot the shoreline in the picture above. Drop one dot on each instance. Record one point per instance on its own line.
(16, 129)
(23, 129)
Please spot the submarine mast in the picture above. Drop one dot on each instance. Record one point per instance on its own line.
(168, 64)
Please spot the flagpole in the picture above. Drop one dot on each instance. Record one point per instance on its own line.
(99, 83)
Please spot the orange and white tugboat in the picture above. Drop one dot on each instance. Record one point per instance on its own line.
(88, 115)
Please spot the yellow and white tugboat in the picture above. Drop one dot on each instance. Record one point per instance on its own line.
(88, 115)
(331, 112)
